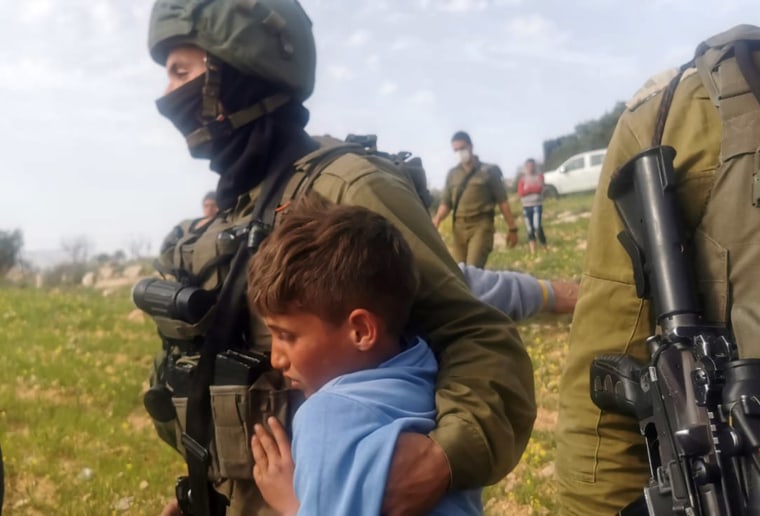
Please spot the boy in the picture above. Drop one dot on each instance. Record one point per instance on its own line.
(334, 284)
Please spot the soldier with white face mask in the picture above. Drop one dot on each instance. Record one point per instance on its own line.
(473, 191)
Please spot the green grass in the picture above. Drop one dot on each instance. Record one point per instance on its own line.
(76, 438)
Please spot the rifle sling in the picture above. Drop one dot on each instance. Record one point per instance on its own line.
(667, 100)
(227, 328)
(461, 192)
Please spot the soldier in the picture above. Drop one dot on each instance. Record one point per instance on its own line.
(601, 460)
(210, 209)
(238, 73)
(473, 190)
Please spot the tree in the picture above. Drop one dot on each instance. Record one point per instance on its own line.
(119, 256)
(589, 135)
(102, 258)
(11, 243)
(138, 246)
(78, 248)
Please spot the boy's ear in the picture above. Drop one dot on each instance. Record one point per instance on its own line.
(363, 326)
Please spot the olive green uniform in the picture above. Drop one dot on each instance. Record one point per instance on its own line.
(601, 460)
(473, 218)
(484, 396)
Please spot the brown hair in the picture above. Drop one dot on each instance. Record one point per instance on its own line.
(328, 260)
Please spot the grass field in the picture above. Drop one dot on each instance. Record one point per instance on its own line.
(75, 436)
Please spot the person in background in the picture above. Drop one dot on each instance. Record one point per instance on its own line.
(210, 209)
(530, 188)
(472, 192)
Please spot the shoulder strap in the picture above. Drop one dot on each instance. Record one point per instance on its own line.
(460, 192)
(225, 331)
(667, 100)
(743, 52)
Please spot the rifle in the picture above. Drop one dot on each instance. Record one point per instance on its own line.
(696, 401)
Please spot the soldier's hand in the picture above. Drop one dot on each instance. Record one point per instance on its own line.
(418, 478)
(511, 238)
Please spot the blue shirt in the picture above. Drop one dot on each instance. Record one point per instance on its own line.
(517, 295)
(344, 436)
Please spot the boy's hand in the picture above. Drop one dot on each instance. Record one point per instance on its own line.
(273, 468)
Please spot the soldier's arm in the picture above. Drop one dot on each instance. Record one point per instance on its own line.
(446, 201)
(442, 213)
(496, 183)
(484, 397)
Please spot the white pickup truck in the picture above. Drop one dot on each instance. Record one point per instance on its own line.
(578, 173)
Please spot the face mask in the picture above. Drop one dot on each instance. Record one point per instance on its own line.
(183, 109)
(463, 155)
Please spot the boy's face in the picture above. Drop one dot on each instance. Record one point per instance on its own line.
(309, 351)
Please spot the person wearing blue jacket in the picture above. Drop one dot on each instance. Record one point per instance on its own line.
(334, 285)
(520, 295)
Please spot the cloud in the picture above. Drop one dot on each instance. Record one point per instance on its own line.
(539, 38)
(403, 43)
(388, 88)
(423, 97)
(535, 30)
(340, 72)
(461, 6)
(358, 38)
(34, 10)
(105, 18)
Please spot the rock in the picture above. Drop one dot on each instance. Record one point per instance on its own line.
(86, 474)
(547, 471)
(88, 280)
(114, 283)
(133, 272)
(106, 272)
(15, 275)
(136, 315)
(123, 504)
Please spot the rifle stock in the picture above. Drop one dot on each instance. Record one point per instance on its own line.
(696, 402)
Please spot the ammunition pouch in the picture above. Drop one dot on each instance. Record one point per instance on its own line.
(235, 407)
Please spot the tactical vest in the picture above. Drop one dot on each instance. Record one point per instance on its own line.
(201, 258)
(727, 239)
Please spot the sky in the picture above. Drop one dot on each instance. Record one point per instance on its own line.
(86, 153)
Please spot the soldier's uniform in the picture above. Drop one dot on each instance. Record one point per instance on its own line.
(601, 458)
(484, 415)
(473, 215)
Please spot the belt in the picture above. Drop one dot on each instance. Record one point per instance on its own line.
(473, 218)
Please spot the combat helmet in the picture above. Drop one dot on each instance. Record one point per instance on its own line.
(270, 39)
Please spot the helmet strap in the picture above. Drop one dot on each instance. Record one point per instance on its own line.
(215, 123)
(225, 125)
(211, 90)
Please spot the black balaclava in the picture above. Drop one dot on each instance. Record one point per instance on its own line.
(267, 145)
